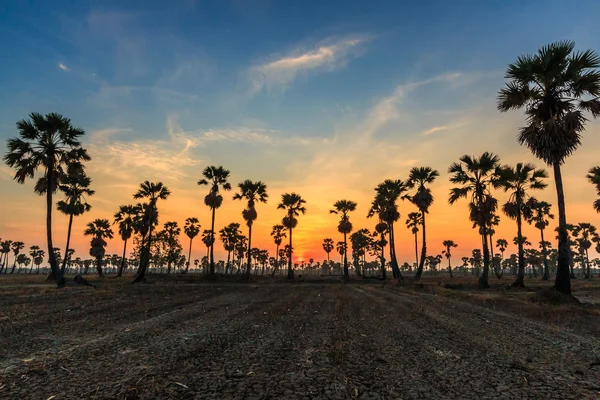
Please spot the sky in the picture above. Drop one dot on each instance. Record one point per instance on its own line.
(326, 99)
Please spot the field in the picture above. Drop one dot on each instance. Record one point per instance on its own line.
(185, 338)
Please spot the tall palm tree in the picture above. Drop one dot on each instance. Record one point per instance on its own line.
(125, 217)
(418, 178)
(278, 233)
(230, 235)
(75, 186)
(328, 246)
(539, 215)
(49, 143)
(153, 191)
(98, 229)
(251, 192)
(191, 229)
(216, 178)
(293, 204)
(344, 207)
(476, 177)
(448, 245)
(413, 222)
(556, 87)
(384, 205)
(594, 177)
(518, 181)
(16, 248)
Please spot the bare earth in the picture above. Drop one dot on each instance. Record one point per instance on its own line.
(281, 340)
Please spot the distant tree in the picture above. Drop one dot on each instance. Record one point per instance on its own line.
(191, 229)
(230, 236)
(538, 214)
(98, 229)
(171, 233)
(293, 204)
(328, 246)
(448, 245)
(125, 218)
(594, 177)
(465, 263)
(341, 248)
(5, 251)
(16, 248)
(413, 222)
(343, 208)
(278, 233)
(585, 234)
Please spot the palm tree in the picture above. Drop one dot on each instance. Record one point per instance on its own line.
(448, 245)
(49, 143)
(278, 233)
(551, 86)
(518, 181)
(539, 215)
(344, 207)
(208, 240)
(384, 205)
(476, 177)
(98, 229)
(216, 178)
(230, 236)
(125, 217)
(153, 192)
(502, 244)
(5, 250)
(594, 177)
(341, 248)
(328, 246)
(16, 248)
(191, 229)
(251, 192)
(585, 233)
(418, 178)
(413, 222)
(171, 232)
(293, 204)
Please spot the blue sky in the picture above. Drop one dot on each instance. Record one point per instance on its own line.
(324, 97)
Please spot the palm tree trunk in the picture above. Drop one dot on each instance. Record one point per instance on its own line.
(60, 280)
(290, 271)
(382, 259)
(587, 262)
(483, 279)
(228, 261)
(521, 254)
(416, 250)
(393, 259)
(546, 275)
(423, 251)
(248, 267)
(187, 267)
(562, 282)
(449, 266)
(346, 275)
(120, 273)
(277, 260)
(99, 266)
(212, 245)
(145, 256)
(64, 266)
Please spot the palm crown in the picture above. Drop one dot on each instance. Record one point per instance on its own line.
(293, 203)
(75, 186)
(125, 217)
(418, 178)
(192, 227)
(278, 234)
(252, 192)
(518, 181)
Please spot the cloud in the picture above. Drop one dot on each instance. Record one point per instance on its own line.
(280, 73)
(104, 134)
(63, 67)
(443, 128)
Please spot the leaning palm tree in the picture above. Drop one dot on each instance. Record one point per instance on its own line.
(344, 207)
(594, 177)
(216, 178)
(278, 233)
(418, 178)
(153, 192)
(518, 181)
(98, 229)
(125, 217)
(328, 246)
(49, 143)
(75, 186)
(556, 87)
(251, 192)
(413, 222)
(448, 245)
(191, 229)
(539, 215)
(293, 204)
(476, 177)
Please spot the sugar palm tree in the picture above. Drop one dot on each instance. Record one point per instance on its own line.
(343, 208)
(556, 87)
(216, 178)
(49, 143)
(341, 248)
(99, 230)
(413, 222)
(278, 233)
(476, 177)
(230, 236)
(594, 177)
(418, 179)
(153, 191)
(448, 245)
(125, 218)
(502, 244)
(328, 246)
(4, 250)
(293, 204)
(191, 229)
(251, 192)
(208, 240)
(518, 181)
(384, 205)
(171, 232)
(539, 215)
(16, 248)
(585, 234)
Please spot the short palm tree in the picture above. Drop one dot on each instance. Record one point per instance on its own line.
(278, 233)
(171, 232)
(556, 87)
(448, 245)
(341, 248)
(418, 179)
(251, 192)
(230, 235)
(49, 143)
(328, 246)
(502, 244)
(153, 191)
(208, 240)
(216, 178)
(518, 181)
(476, 177)
(191, 229)
(413, 222)
(585, 234)
(594, 177)
(16, 248)
(4, 250)
(293, 204)
(343, 208)
(99, 230)
(125, 218)
(539, 215)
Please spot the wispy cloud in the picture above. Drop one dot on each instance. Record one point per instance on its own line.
(104, 134)
(326, 56)
(63, 67)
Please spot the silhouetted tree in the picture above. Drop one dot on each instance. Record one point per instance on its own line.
(98, 229)
(343, 208)
(448, 245)
(294, 206)
(125, 218)
(191, 229)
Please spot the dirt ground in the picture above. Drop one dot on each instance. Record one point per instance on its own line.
(277, 340)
